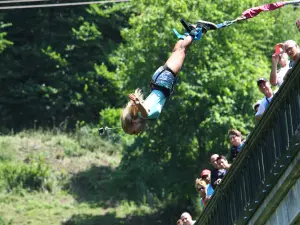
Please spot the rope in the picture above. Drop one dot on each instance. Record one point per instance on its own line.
(295, 2)
(60, 4)
(18, 1)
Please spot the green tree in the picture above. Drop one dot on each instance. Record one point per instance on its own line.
(4, 43)
(51, 74)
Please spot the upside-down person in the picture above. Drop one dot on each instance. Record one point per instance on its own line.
(138, 111)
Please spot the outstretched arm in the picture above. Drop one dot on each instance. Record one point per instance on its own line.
(273, 74)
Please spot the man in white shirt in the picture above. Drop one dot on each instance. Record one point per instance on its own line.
(265, 88)
(187, 219)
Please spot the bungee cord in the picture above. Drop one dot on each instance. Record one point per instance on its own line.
(59, 4)
(252, 12)
(21, 1)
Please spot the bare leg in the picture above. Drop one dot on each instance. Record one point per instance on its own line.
(176, 59)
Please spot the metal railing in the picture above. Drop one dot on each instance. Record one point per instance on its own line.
(268, 150)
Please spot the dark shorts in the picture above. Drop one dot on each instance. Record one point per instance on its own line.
(164, 80)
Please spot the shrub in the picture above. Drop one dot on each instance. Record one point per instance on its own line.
(4, 222)
(7, 149)
(34, 176)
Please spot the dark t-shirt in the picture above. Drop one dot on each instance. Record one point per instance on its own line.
(217, 174)
(235, 150)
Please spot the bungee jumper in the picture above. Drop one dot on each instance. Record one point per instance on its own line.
(138, 111)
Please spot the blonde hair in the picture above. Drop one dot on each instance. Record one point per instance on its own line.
(200, 182)
(130, 112)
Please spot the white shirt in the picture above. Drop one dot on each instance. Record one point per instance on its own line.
(281, 73)
(264, 104)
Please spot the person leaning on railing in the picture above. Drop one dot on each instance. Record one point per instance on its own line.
(281, 58)
(223, 163)
(217, 173)
(237, 141)
(187, 219)
(205, 190)
(206, 176)
(292, 49)
(265, 88)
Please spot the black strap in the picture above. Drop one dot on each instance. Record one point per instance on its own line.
(171, 71)
(165, 67)
(164, 90)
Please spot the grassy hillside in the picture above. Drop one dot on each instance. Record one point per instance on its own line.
(48, 177)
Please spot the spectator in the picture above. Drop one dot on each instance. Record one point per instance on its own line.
(292, 49)
(237, 141)
(223, 163)
(256, 105)
(205, 190)
(206, 176)
(265, 88)
(276, 76)
(298, 23)
(179, 222)
(217, 173)
(187, 219)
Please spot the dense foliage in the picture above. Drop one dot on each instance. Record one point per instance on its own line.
(73, 66)
(52, 72)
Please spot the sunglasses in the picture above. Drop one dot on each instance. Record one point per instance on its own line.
(200, 188)
(289, 48)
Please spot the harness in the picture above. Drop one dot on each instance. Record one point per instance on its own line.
(166, 91)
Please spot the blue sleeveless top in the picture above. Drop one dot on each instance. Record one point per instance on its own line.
(154, 104)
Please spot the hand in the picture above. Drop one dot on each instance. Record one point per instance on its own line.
(275, 59)
(218, 181)
(138, 106)
(135, 99)
(221, 165)
(224, 165)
